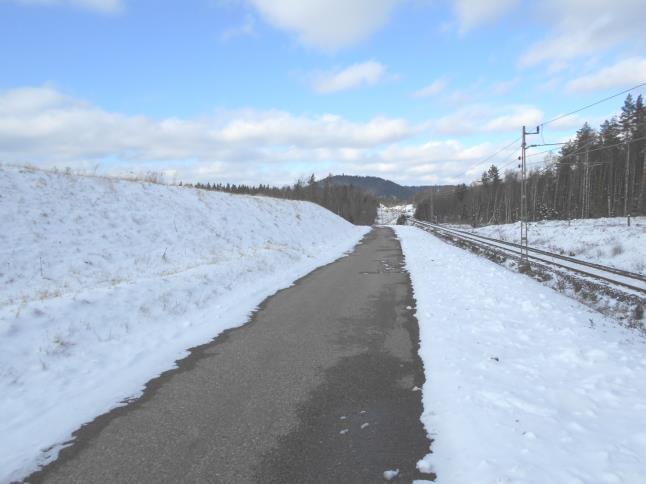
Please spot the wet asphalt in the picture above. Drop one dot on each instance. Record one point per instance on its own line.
(316, 388)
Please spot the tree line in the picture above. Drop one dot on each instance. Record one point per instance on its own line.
(352, 203)
(599, 173)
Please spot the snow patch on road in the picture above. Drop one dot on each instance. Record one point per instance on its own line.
(522, 383)
(105, 283)
(389, 475)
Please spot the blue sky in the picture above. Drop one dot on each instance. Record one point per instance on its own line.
(266, 91)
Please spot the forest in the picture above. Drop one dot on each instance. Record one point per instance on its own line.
(599, 173)
(354, 204)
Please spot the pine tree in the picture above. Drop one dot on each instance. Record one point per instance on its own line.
(627, 118)
(493, 175)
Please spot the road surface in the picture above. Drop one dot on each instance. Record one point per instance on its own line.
(317, 387)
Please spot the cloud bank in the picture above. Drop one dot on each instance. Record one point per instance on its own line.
(43, 126)
(579, 28)
(625, 73)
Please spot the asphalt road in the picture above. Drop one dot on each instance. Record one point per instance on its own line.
(317, 387)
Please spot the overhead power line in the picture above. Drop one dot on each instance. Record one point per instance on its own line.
(488, 158)
(549, 144)
(507, 146)
(514, 159)
(593, 104)
(582, 150)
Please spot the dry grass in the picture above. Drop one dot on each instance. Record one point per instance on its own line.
(154, 177)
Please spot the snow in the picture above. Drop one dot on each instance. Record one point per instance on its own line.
(388, 215)
(105, 283)
(607, 241)
(523, 385)
(389, 475)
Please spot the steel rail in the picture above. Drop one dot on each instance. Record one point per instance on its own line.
(496, 244)
(614, 270)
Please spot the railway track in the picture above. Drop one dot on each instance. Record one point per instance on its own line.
(619, 279)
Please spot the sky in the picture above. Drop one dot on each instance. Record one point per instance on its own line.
(266, 91)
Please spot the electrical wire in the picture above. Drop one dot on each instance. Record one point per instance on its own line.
(488, 158)
(506, 147)
(591, 105)
(570, 141)
(548, 144)
(601, 148)
(514, 160)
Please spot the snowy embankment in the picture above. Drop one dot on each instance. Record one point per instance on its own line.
(105, 283)
(524, 385)
(607, 241)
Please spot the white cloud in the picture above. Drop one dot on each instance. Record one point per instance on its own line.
(326, 24)
(246, 29)
(482, 118)
(281, 128)
(472, 13)
(520, 116)
(443, 162)
(624, 73)
(556, 67)
(40, 120)
(460, 97)
(550, 85)
(503, 87)
(362, 74)
(103, 6)
(584, 27)
(45, 127)
(432, 89)
(567, 123)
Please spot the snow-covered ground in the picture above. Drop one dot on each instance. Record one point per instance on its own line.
(388, 215)
(607, 241)
(524, 385)
(105, 283)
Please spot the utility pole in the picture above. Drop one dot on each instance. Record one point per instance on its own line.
(524, 252)
(586, 186)
(627, 180)
(433, 204)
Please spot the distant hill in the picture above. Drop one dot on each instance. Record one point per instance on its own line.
(378, 186)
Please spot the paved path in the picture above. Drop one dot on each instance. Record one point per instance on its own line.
(317, 387)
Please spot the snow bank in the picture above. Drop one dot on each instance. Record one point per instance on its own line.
(524, 385)
(607, 241)
(105, 283)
